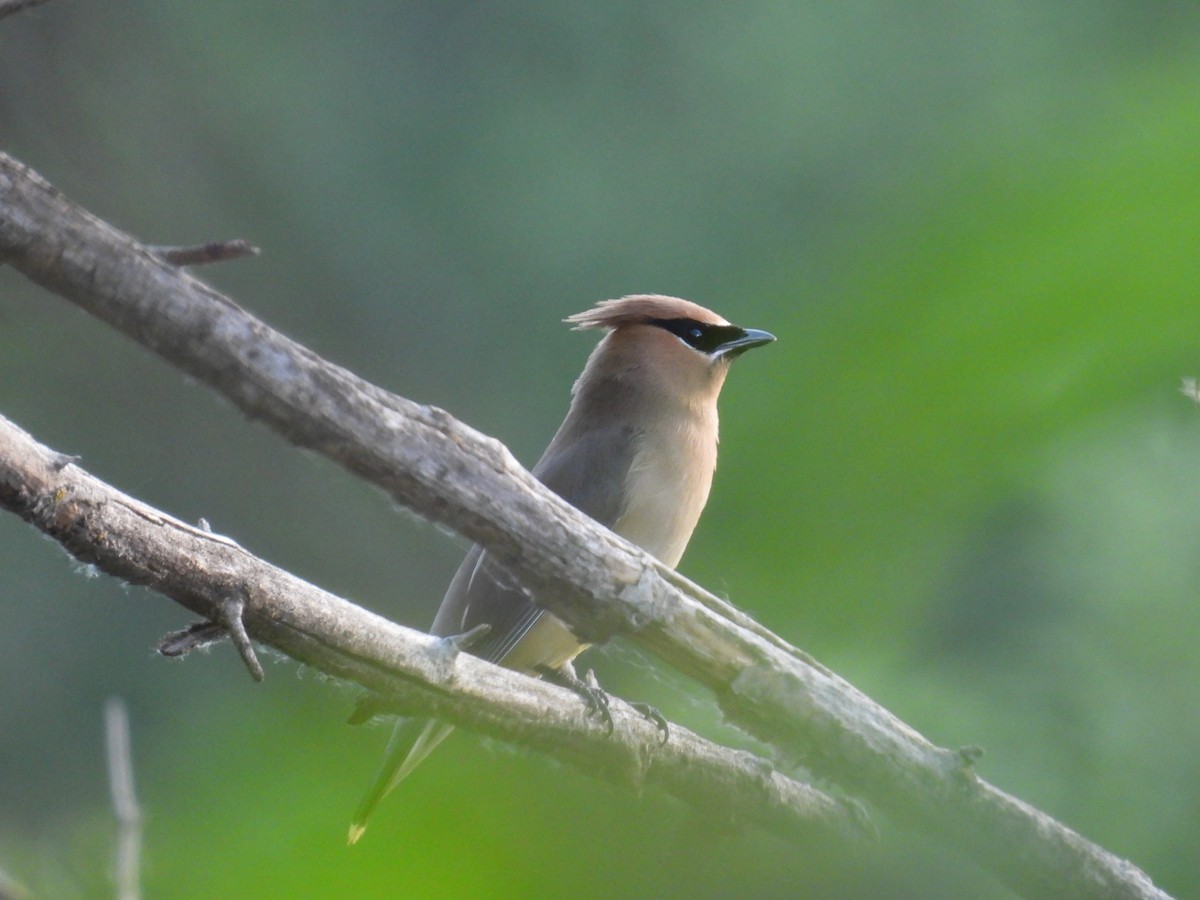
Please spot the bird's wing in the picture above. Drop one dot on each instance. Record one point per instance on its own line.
(589, 472)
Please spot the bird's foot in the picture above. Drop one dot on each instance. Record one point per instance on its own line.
(593, 695)
(653, 715)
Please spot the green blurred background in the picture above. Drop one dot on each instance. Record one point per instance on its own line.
(965, 477)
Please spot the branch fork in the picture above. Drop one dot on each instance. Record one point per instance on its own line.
(586, 575)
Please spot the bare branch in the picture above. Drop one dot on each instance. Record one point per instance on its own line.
(233, 608)
(595, 581)
(11, 7)
(125, 805)
(416, 673)
(194, 637)
(203, 254)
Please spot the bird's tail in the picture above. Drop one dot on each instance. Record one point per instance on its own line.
(412, 741)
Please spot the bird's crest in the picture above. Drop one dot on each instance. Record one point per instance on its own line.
(640, 308)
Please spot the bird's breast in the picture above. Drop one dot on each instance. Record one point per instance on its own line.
(666, 489)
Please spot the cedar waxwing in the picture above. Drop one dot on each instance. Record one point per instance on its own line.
(636, 452)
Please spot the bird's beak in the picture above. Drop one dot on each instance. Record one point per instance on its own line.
(750, 337)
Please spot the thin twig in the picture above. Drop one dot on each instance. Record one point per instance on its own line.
(233, 607)
(11, 7)
(125, 805)
(196, 636)
(203, 254)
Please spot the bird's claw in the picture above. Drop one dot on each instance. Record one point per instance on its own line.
(592, 694)
(653, 715)
(597, 706)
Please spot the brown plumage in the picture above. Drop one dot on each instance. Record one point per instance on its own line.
(636, 452)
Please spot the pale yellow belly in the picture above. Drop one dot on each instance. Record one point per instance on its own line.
(548, 643)
(666, 497)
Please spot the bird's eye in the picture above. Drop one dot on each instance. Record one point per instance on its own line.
(695, 334)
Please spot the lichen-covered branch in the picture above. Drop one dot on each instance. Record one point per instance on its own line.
(597, 582)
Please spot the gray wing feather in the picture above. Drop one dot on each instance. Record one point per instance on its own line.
(590, 475)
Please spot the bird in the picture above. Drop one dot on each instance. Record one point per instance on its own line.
(636, 452)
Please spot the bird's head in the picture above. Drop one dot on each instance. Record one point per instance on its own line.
(672, 343)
